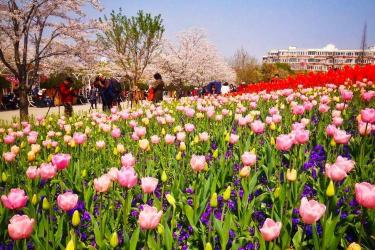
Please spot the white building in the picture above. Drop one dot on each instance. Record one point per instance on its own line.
(320, 59)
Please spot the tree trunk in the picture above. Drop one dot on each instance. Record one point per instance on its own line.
(24, 103)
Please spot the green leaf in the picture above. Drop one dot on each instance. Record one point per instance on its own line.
(58, 233)
(189, 212)
(297, 238)
(151, 242)
(134, 239)
(97, 233)
(168, 236)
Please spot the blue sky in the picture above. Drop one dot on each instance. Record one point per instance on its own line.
(261, 25)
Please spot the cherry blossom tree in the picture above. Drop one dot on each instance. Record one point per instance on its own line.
(193, 60)
(32, 31)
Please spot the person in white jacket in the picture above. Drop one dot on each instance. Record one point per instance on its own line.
(225, 88)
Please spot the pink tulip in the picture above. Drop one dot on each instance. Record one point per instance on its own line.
(189, 127)
(116, 133)
(365, 194)
(323, 108)
(155, 139)
(9, 156)
(127, 177)
(100, 144)
(47, 171)
(337, 121)
(203, 136)
(276, 118)
(311, 211)
(284, 142)
(20, 227)
(113, 173)
(39, 118)
(79, 138)
(149, 217)
(330, 130)
(67, 201)
(257, 127)
(368, 115)
(149, 184)
(31, 139)
(181, 136)
(9, 139)
(198, 162)
(270, 229)
(233, 139)
(365, 128)
(61, 161)
(273, 111)
(169, 139)
(128, 160)
(341, 137)
(140, 131)
(367, 96)
(335, 172)
(346, 95)
(16, 199)
(189, 112)
(301, 136)
(345, 163)
(248, 158)
(298, 110)
(102, 184)
(32, 173)
(135, 137)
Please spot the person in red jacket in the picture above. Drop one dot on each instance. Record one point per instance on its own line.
(67, 94)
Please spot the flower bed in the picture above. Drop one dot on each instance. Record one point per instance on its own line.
(277, 170)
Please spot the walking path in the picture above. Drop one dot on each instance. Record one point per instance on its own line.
(8, 116)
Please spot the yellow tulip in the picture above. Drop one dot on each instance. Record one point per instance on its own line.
(114, 240)
(354, 246)
(213, 201)
(76, 218)
(171, 200)
(291, 174)
(70, 245)
(164, 176)
(226, 194)
(34, 200)
(330, 189)
(46, 204)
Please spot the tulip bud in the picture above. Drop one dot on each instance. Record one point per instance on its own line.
(115, 152)
(178, 156)
(277, 192)
(120, 148)
(333, 143)
(31, 156)
(70, 245)
(84, 173)
(273, 126)
(182, 146)
(46, 204)
(215, 154)
(354, 246)
(160, 229)
(208, 246)
(57, 149)
(226, 195)
(272, 141)
(4, 177)
(114, 240)
(164, 176)
(76, 218)
(196, 139)
(227, 137)
(50, 157)
(330, 189)
(245, 171)
(171, 200)
(22, 144)
(34, 200)
(291, 174)
(213, 201)
(163, 131)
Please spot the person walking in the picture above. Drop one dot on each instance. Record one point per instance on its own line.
(158, 88)
(93, 96)
(67, 93)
